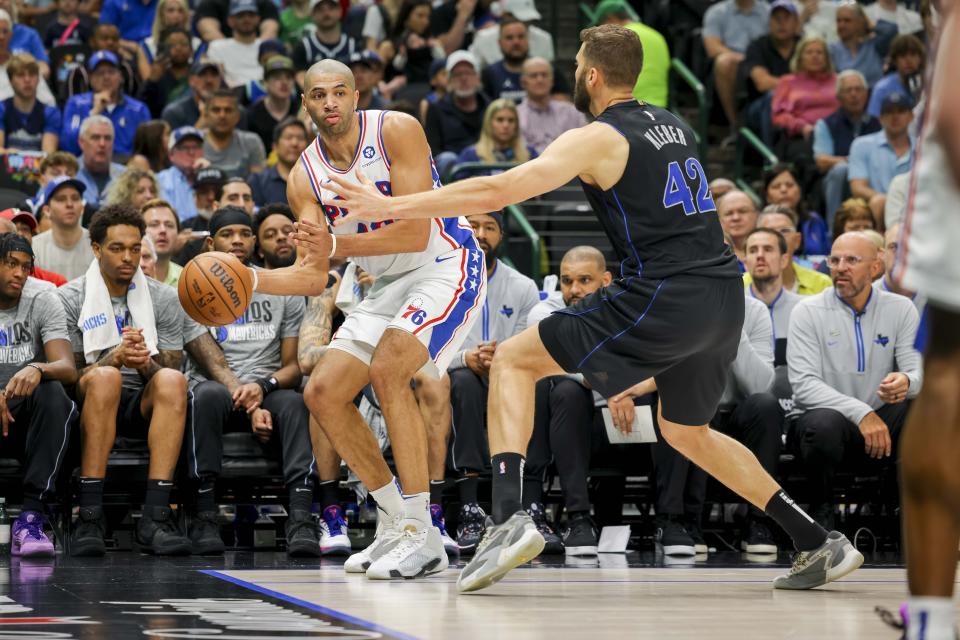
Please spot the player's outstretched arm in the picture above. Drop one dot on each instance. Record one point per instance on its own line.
(595, 152)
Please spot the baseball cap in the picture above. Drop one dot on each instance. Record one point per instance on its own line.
(315, 3)
(17, 215)
(784, 4)
(102, 56)
(436, 66)
(459, 56)
(209, 176)
(369, 58)
(243, 6)
(522, 10)
(203, 65)
(277, 63)
(61, 181)
(182, 133)
(896, 101)
(605, 7)
(273, 45)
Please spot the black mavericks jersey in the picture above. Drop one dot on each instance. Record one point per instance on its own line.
(660, 216)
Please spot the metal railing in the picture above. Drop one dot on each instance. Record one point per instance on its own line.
(683, 72)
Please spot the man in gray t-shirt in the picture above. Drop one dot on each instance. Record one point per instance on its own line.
(35, 412)
(237, 153)
(126, 389)
(245, 376)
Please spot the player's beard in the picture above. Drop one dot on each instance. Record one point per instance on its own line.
(581, 99)
(274, 261)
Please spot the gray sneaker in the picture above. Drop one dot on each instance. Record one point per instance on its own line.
(830, 561)
(503, 547)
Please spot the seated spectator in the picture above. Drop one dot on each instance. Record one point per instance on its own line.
(289, 141)
(25, 225)
(502, 79)
(720, 187)
(148, 258)
(782, 186)
(796, 277)
(454, 122)
(25, 123)
(186, 159)
(833, 135)
(213, 19)
(163, 228)
(106, 98)
(105, 37)
(295, 21)
(895, 208)
(767, 60)
(367, 68)
(97, 170)
(235, 152)
(58, 163)
(768, 257)
(68, 26)
(236, 192)
(7, 89)
(728, 28)
(542, 117)
(807, 94)
(65, 248)
(205, 78)
(150, 146)
(133, 19)
(411, 48)
(653, 82)
(819, 18)
(134, 187)
(122, 387)
(485, 47)
(326, 41)
(876, 159)
(907, 20)
(500, 138)
(853, 369)
(170, 14)
(278, 104)
(169, 74)
(738, 217)
(38, 363)
(907, 55)
(273, 228)
(25, 39)
(438, 87)
(207, 189)
(237, 55)
(859, 46)
(853, 215)
(891, 242)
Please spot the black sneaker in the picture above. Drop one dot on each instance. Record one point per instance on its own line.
(303, 535)
(554, 545)
(671, 538)
(758, 540)
(204, 534)
(87, 537)
(823, 515)
(696, 534)
(580, 536)
(471, 527)
(157, 533)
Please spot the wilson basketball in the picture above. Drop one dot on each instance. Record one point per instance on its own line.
(215, 288)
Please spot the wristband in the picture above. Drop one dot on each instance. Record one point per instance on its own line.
(268, 385)
(256, 279)
(333, 246)
(35, 366)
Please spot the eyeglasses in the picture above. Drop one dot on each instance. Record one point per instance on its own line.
(853, 261)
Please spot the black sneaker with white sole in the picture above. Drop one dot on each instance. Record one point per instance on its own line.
(671, 537)
(696, 534)
(471, 527)
(553, 544)
(758, 540)
(580, 536)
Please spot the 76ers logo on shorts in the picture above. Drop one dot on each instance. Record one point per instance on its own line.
(414, 313)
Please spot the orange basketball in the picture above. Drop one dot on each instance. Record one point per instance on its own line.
(215, 288)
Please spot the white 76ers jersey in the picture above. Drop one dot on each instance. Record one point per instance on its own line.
(446, 234)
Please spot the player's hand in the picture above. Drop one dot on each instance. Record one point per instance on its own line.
(365, 279)
(315, 242)
(22, 383)
(485, 353)
(248, 397)
(472, 359)
(132, 351)
(100, 102)
(622, 412)
(262, 424)
(893, 388)
(876, 436)
(361, 201)
(6, 418)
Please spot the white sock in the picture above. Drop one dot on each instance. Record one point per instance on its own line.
(389, 498)
(931, 618)
(416, 507)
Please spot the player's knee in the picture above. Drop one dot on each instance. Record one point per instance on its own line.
(102, 384)
(685, 439)
(387, 374)
(170, 388)
(322, 394)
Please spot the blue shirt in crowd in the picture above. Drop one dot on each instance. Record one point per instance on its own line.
(735, 28)
(96, 189)
(869, 57)
(888, 85)
(25, 131)
(133, 18)
(872, 158)
(27, 40)
(126, 116)
(268, 187)
(176, 189)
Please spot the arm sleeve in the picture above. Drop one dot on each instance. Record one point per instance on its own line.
(822, 139)
(908, 360)
(169, 318)
(806, 370)
(857, 163)
(753, 368)
(191, 329)
(53, 319)
(70, 302)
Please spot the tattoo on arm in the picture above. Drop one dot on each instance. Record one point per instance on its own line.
(315, 329)
(207, 353)
(83, 368)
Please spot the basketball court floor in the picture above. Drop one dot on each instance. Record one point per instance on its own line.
(265, 596)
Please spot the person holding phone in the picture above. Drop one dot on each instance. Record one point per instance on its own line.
(168, 79)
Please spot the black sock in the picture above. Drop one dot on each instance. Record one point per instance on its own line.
(32, 504)
(329, 493)
(301, 500)
(806, 533)
(206, 496)
(91, 492)
(507, 485)
(532, 491)
(158, 493)
(467, 485)
(436, 491)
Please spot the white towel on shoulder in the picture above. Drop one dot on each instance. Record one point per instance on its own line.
(97, 323)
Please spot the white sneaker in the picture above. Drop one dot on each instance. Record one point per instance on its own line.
(334, 538)
(387, 536)
(419, 553)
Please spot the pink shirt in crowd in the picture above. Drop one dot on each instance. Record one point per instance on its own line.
(800, 99)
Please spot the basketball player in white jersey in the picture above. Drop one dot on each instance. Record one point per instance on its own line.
(430, 281)
(926, 262)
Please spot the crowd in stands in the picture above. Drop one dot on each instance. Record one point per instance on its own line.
(170, 128)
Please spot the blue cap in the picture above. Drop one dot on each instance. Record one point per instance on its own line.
(182, 133)
(203, 64)
(273, 45)
(243, 6)
(895, 101)
(56, 183)
(436, 67)
(784, 4)
(367, 57)
(103, 56)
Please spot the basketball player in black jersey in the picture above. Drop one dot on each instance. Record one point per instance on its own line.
(675, 312)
